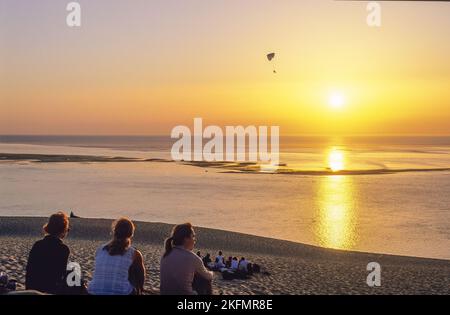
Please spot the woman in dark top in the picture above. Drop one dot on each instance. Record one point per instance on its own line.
(47, 262)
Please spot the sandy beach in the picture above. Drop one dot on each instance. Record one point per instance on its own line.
(292, 268)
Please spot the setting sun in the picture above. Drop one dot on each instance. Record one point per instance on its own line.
(336, 100)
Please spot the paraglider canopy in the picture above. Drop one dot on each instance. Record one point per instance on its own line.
(270, 57)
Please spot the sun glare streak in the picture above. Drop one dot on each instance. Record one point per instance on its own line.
(336, 216)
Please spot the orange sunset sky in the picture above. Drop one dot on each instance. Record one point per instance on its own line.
(143, 67)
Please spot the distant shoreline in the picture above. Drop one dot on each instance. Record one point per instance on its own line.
(293, 268)
(227, 167)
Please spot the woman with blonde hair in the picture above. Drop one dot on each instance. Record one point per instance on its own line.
(182, 272)
(119, 267)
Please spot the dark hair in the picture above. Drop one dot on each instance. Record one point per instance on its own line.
(220, 252)
(179, 233)
(57, 224)
(123, 230)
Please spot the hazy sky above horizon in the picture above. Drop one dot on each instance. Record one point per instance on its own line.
(145, 66)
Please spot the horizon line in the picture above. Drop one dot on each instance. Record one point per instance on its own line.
(286, 135)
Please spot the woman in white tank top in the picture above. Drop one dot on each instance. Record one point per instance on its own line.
(119, 268)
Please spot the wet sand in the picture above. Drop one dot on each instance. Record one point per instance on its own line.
(292, 268)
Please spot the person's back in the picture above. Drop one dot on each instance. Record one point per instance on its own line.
(181, 271)
(178, 270)
(111, 273)
(47, 265)
(234, 264)
(228, 263)
(119, 267)
(206, 260)
(220, 260)
(47, 261)
(243, 265)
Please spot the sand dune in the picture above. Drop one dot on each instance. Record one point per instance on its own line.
(294, 268)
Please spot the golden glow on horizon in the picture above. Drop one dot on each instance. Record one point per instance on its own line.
(343, 78)
(336, 218)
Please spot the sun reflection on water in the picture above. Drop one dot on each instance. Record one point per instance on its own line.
(336, 216)
(336, 160)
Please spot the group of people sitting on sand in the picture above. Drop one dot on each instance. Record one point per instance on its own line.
(232, 268)
(119, 267)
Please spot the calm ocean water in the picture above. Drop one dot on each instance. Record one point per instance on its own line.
(288, 143)
(405, 213)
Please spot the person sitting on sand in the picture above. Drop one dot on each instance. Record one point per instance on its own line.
(243, 265)
(182, 272)
(234, 264)
(6, 285)
(47, 261)
(119, 267)
(73, 215)
(220, 261)
(207, 260)
(228, 262)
